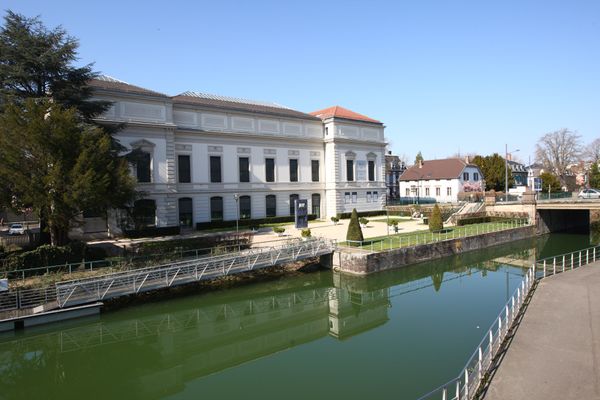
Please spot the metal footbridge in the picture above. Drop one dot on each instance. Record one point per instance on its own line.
(104, 287)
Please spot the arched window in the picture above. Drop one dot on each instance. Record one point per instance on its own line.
(293, 198)
(245, 207)
(271, 203)
(186, 215)
(144, 213)
(216, 208)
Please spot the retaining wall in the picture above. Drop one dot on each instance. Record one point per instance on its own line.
(363, 262)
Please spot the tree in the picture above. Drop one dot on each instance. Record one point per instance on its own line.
(59, 165)
(556, 150)
(494, 171)
(36, 62)
(435, 220)
(418, 158)
(550, 180)
(592, 151)
(354, 232)
(594, 176)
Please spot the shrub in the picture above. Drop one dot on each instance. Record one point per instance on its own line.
(249, 222)
(435, 221)
(393, 221)
(363, 214)
(305, 233)
(278, 230)
(335, 220)
(152, 232)
(354, 232)
(363, 221)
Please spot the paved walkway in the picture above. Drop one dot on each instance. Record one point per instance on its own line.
(555, 353)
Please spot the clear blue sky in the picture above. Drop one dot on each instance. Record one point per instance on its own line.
(441, 75)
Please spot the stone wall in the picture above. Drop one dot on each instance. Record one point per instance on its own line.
(362, 262)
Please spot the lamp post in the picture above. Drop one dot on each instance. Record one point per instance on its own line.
(506, 170)
(236, 197)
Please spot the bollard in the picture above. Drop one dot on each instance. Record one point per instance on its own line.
(580, 258)
(466, 383)
(571, 260)
(554, 266)
(491, 347)
(587, 256)
(479, 372)
(544, 268)
(444, 394)
(563, 263)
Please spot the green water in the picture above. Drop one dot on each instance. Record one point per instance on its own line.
(397, 334)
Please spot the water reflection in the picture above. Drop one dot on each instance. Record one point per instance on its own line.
(155, 351)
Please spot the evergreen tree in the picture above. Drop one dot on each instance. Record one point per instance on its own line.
(354, 231)
(435, 220)
(493, 169)
(57, 164)
(418, 158)
(550, 180)
(594, 176)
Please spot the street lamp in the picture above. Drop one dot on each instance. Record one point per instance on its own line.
(506, 170)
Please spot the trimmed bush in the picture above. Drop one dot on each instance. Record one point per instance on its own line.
(152, 232)
(278, 230)
(435, 220)
(354, 232)
(306, 233)
(335, 220)
(363, 214)
(248, 222)
(363, 221)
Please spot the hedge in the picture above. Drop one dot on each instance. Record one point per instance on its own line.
(363, 214)
(248, 222)
(47, 255)
(479, 220)
(152, 232)
(164, 247)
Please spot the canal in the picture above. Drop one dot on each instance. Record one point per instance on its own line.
(397, 334)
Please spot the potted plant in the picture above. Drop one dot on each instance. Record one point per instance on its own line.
(363, 221)
(335, 220)
(279, 230)
(305, 234)
(394, 224)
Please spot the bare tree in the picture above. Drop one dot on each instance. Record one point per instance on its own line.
(556, 150)
(592, 151)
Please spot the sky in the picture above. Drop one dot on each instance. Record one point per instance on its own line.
(445, 77)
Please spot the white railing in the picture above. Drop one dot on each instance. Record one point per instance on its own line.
(108, 286)
(467, 383)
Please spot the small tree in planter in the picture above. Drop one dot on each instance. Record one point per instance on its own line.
(335, 220)
(435, 220)
(363, 221)
(279, 230)
(394, 224)
(354, 232)
(305, 233)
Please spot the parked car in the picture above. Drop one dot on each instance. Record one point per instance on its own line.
(589, 194)
(16, 229)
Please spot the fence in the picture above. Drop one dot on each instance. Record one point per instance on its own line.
(475, 372)
(555, 195)
(417, 239)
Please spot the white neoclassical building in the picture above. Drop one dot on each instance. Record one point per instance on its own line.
(202, 158)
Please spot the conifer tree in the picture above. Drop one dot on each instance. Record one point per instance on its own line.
(435, 220)
(594, 176)
(354, 232)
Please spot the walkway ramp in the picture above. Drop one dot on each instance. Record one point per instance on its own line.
(555, 353)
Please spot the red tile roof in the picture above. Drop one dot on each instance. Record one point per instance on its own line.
(341, 112)
(448, 168)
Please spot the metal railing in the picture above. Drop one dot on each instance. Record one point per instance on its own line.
(25, 299)
(417, 239)
(108, 286)
(466, 385)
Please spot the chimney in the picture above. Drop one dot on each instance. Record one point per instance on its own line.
(420, 163)
(467, 160)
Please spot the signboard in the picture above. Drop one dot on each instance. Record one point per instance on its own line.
(301, 214)
(3, 285)
(361, 170)
(537, 184)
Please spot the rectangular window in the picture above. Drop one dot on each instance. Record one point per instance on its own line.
(216, 208)
(426, 191)
(368, 197)
(438, 191)
(293, 170)
(354, 196)
(215, 169)
(350, 170)
(375, 197)
(245, 207)
(347, 197)
(407, 192)
(270, 169)
(143, 170)
(475, 176)
(244, 165)
(449, 191)
(315, 170)
(293, 198)
(183, 169)
(465, 176)
(371, 171)
(271, 206)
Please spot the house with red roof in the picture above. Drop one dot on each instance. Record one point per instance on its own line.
(441, 180)
(200, 158)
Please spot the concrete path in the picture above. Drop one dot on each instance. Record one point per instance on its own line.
(555, 353)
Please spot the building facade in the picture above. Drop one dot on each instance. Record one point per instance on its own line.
(201, 158)
(441, 180)
(394, 167)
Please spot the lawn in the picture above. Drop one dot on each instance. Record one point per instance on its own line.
(423, 237)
